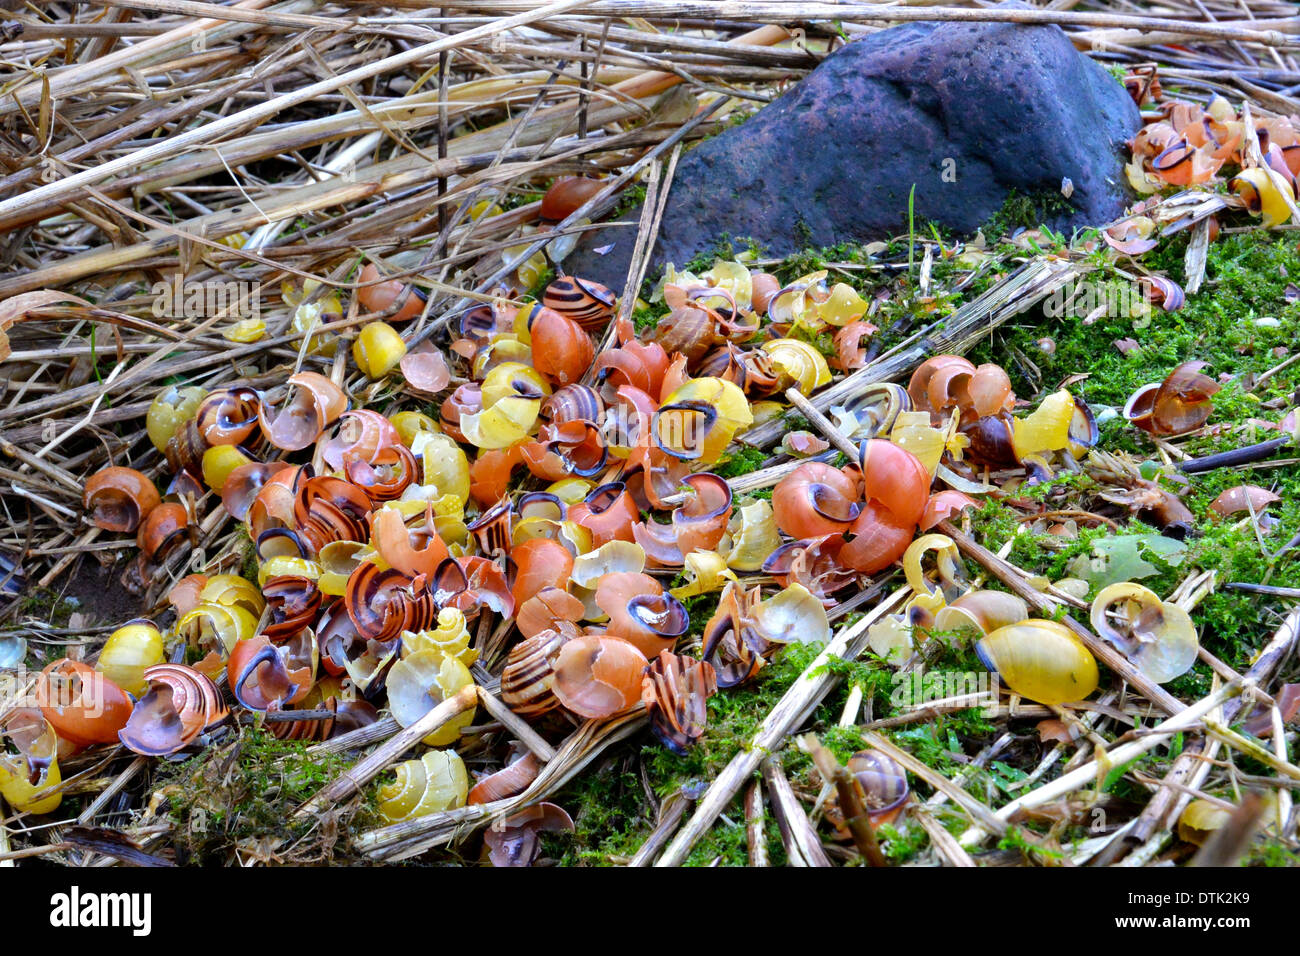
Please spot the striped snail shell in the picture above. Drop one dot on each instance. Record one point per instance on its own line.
(883, 782)
(588, 303)
(572, 403)
(529, 675)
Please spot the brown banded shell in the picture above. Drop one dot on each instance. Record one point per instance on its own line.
(726, 361)
(731, 644)
(293, 603)
(588, 303)
(180, 705)
(883, 782)
(572, 403)
(308, 730)
(228, 416)
(529, 676)
(119, 499)
(676, 691)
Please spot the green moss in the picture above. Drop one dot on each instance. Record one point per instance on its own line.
(741, 462)
(1027, 211)
(243, 795)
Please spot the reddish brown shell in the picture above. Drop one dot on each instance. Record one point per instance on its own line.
(165, 528)
(509, 781)
(598, 676)
(562, 351)
(382, 297)
(539, 563)
(815, 499)
(561, 451)
(566, 195)
(82, 705)
(549, 609)
(945, 504)
(261, 676)
(490, 473)
(640, 613)
(765, 286)
(119, 499)
(608, 512)
(849, 352)
(633, 364)
(933, 383)
(1243, 498)
(676, 691)
(243, 485)
(411, 552)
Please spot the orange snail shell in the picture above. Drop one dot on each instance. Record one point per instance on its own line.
(82, 705)
(119, 499)
(598, 676)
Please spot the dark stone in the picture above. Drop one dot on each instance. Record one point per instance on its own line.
(1014, 107)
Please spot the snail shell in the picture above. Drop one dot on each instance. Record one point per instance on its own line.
(586, 302)
(181, 705)
(165, 528)
(688, 330)
(1041, 661)
(433, 783)
(568, 194)
(883, 782)
(529, 675)
(119, 499)
(676, 691)
(572, 403)
(82, 705)
(598, 676)
(29, 761)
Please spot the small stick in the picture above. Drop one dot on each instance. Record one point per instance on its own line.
(754, 817)
(112, 790)
(352, 780)
(1117, 757)
(802, 846)
(822, 423)
(801, 697)
(974, 808)
(1245, 455)
(670, 815)
(846, 788)
(944, 843)
(525, 734)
